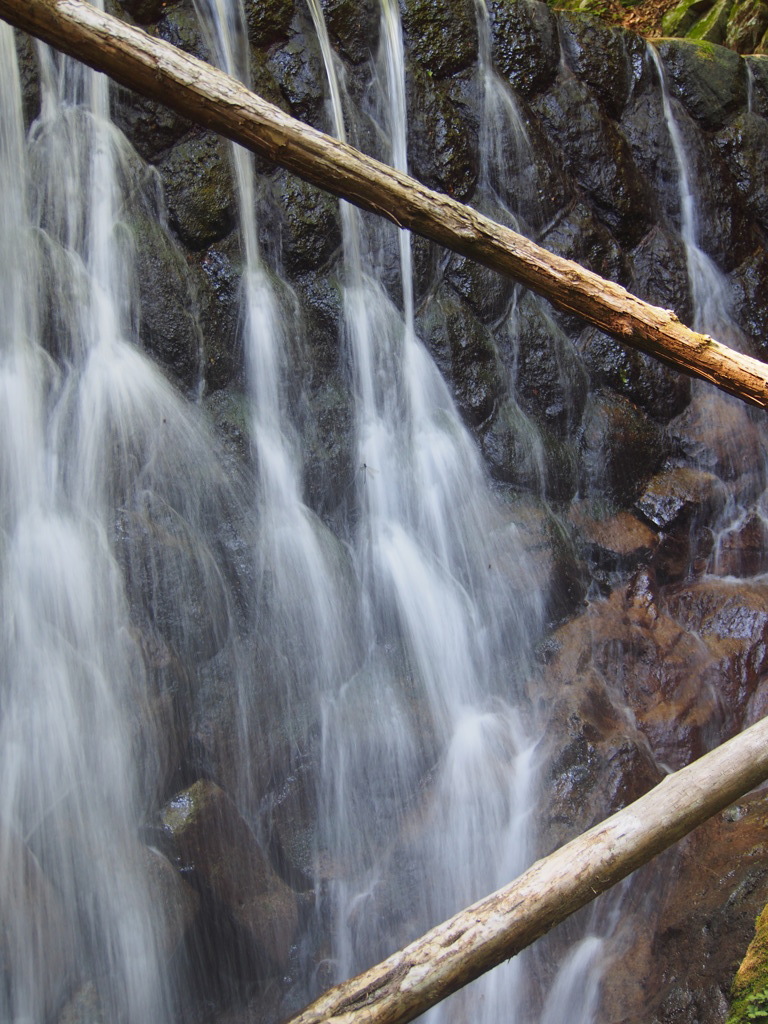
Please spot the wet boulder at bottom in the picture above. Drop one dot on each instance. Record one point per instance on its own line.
(213, 842)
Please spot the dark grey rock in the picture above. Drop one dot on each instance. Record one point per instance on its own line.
(488, 295)
(179, 26)
(596, 155)
(152, 128)
(198, 186)
(549, 379)
(660, 275)
(210, 838)
(658, 390)
(442, 147)
(525, 44)
(598, 54)
(168, 326)
(749, 287)
(709, 80)
(297, 67)
(354, 26)
(219, 270)
(29, 77)
(441, 35)
(268, 20)
(577, 234)
(465, 353)
(743, 144)
(309, 218)
(620, 448)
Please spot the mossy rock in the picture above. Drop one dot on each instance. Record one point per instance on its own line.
(749, 993)
(198, 185)
(747, 25)
(679, 19)
(712, 27)
(709, 80)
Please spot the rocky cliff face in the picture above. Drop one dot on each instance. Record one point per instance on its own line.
(640, 494)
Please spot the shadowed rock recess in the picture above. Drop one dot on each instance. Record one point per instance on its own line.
(639, 495)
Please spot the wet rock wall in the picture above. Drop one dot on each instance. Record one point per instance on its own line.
(640, 493)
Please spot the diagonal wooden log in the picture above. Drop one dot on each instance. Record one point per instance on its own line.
(494, 929)
(210, 98)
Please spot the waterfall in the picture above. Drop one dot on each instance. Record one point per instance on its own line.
(108, 561)
(445, 633)
(305, 619)
(708, 286)
(358, 669)
(712, 312)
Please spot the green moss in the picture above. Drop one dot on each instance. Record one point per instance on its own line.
(749, 992)
(679, 19)
(712, 27)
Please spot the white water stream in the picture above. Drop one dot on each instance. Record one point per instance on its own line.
(446, 632)
(404, 643)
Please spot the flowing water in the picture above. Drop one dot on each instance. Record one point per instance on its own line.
(389, 653)
(111, 489)
(712, 308)
(429, 808)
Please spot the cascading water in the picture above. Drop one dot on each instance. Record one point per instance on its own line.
(445, 632)
(711, 299)
(369, 679)
(305, 618)
(110, 492)
(708, 287)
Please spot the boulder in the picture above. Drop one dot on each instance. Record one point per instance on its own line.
(710, 81)
(717, 434)
(620, 448)
(297, 67)
(212, 842)
(742, 549)
(168, 327)
(199, 190)
(597, 155)
(597, 54)
(524, 43)
(442, 147)
(748, 284)
(353, 25)
(465, 353)
(441, 35)
(268, 20)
